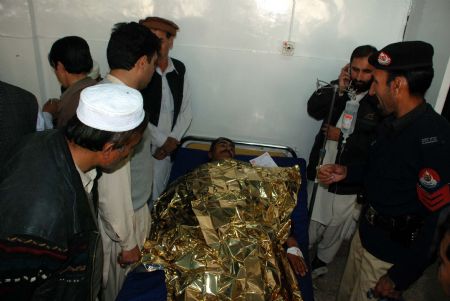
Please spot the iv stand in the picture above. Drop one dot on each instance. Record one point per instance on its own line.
(322, 151)
(352, 94)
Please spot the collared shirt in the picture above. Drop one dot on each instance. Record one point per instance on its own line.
(141, 164)
(113, 79)
(87, 178)
(164, 129)
(396, 158)
(397, 124)
(328, 203)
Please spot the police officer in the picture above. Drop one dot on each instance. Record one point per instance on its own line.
(406, 178)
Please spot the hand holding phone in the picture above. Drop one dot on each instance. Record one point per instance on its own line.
(344, 78)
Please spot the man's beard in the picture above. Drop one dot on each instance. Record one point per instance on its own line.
(361, 86)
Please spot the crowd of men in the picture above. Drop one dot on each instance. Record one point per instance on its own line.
(75, 200)
(65, 252)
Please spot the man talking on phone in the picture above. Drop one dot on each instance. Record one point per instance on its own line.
(336, 209)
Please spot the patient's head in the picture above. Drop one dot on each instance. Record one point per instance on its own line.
(221, 148)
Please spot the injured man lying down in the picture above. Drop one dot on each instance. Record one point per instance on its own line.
(220, 231)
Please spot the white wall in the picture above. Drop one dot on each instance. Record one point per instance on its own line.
(430, 22)
(242, 87)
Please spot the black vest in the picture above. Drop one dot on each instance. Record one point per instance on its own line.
(152, 93)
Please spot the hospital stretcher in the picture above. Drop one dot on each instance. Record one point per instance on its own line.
(192, 153)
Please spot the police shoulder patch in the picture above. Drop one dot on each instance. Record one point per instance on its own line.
(432, 193)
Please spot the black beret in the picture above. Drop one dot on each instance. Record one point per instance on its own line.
(403, 56)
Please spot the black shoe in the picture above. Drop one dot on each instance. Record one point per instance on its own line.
(318, 268)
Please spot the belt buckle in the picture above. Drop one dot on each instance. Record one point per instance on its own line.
(371, 215)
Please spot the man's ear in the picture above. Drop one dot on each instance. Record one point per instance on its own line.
(403, 84)
(141, 62)
(60, 66)
(399, 84)
(394, 86)
(108, 152)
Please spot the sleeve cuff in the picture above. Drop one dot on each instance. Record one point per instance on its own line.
(129, 242)
(402, 279)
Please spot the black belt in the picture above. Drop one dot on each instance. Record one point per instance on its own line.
(404, 228)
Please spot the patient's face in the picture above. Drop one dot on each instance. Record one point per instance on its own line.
(222, 150)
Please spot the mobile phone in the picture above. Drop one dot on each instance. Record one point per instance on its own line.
(349, 75)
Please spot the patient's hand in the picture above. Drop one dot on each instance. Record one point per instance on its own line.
(297, 261)
(298, 264)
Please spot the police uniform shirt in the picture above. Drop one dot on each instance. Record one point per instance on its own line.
(408, 174)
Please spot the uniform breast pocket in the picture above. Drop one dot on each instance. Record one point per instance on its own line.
(366, 125)
(400, 170)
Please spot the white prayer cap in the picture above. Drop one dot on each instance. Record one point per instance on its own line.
(111, 107)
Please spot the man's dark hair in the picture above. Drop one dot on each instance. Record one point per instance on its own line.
(362, 51)
(128, 43)
(419, 80)
(94, 139)
(213, 144)
(73, 52)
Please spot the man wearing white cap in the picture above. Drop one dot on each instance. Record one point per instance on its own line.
(124, 216)
(49, 241)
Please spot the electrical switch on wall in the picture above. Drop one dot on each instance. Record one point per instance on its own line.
(288, 48)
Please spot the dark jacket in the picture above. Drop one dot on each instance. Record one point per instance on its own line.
(48, 229)
(357, 145)
(18, 113)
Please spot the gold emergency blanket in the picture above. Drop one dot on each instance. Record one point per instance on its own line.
(218, 232)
